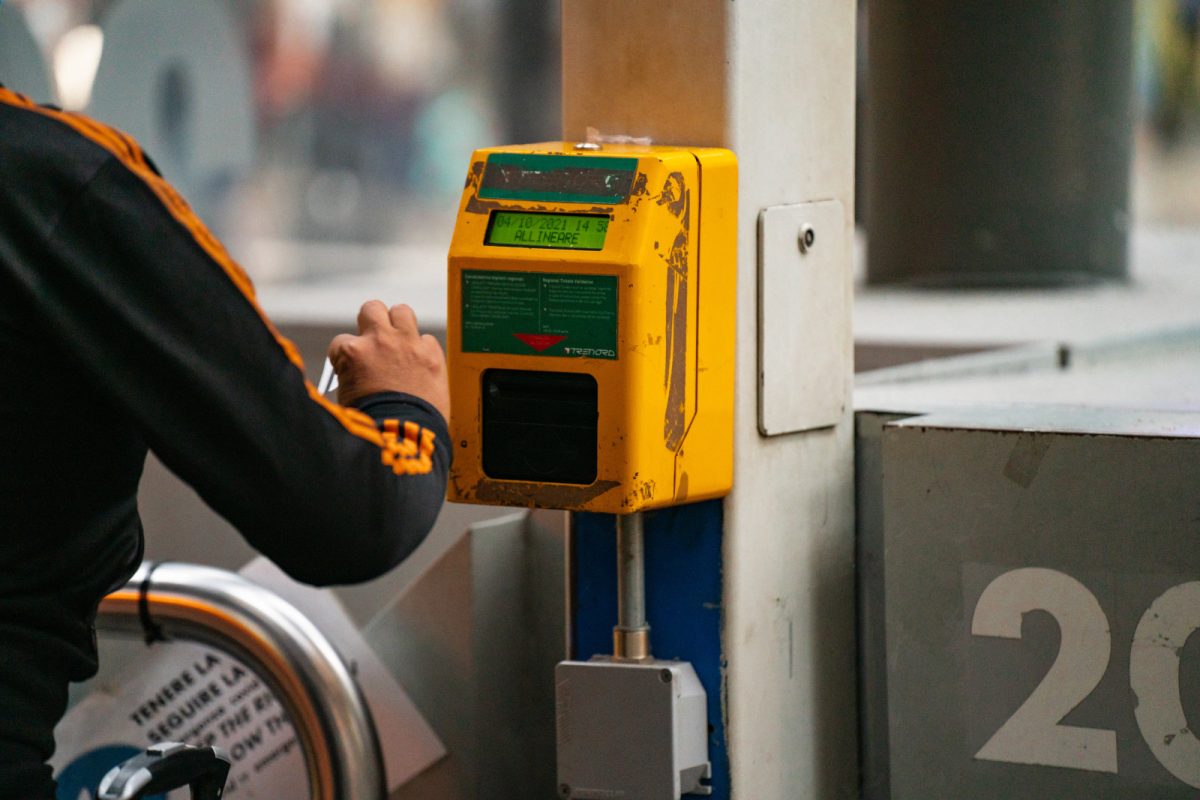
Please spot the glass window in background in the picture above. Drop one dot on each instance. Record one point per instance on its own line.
(312, 135)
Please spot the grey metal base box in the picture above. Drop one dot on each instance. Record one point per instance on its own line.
(631, 731)
(1030, 595)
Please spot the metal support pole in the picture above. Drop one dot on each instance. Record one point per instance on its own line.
(631, 636)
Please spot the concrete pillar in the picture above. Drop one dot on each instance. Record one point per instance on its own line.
(999, 138)
(772, 80)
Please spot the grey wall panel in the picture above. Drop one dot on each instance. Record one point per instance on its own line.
(1085, 544)
(475, 640)
(872, 639)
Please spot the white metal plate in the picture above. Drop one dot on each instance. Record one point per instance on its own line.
(803, 318)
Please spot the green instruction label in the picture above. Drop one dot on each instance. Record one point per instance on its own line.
(534, 313)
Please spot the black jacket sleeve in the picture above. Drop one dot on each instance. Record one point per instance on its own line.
(148, 308)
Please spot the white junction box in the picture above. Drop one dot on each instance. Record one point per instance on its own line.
(631, 730)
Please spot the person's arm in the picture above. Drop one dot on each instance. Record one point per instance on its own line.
(144, 303)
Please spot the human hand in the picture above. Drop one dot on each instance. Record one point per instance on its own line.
(390, 354)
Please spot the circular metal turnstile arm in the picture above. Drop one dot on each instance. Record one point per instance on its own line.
(299, 665)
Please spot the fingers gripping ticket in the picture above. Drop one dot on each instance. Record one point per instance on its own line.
(389, 353)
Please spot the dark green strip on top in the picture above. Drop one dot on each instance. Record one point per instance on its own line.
(546, 178)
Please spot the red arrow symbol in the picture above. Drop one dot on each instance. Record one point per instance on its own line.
(539, 341)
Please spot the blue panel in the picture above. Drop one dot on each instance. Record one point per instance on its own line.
(683, 600)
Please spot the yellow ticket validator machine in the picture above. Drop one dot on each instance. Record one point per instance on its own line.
(591, 327)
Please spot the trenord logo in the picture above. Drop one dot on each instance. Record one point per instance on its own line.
(590, 351)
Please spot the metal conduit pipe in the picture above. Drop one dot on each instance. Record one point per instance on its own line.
(631, 636)
(304, 671)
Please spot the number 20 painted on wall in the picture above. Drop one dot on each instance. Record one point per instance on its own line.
(1034, 733)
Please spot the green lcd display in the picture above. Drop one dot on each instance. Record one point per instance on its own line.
(567, 231)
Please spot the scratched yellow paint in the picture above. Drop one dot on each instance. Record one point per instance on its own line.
(665, 403)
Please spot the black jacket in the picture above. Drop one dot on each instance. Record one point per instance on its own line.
(125, 325)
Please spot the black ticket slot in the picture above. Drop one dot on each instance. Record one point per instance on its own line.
(539, 426)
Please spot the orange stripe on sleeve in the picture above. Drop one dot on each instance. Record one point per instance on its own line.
(130, 155)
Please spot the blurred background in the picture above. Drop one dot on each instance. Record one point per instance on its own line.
(354, 125)
(343, 126)
(1167, 69)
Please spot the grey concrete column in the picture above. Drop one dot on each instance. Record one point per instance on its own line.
(998, 142)
(773, 80)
